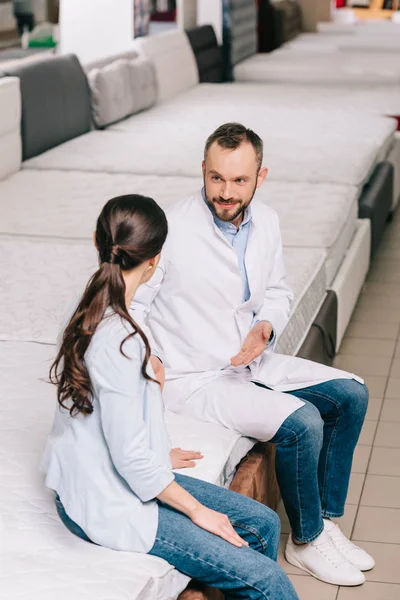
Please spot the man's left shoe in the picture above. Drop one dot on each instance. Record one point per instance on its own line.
(355, 555)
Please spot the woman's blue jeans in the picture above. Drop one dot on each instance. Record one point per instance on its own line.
(248, 572)
(314, 453)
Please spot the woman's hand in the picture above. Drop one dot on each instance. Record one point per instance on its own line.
(210, 520)
(218, 524)
(184, 459)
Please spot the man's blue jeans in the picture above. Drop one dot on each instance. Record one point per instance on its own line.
(314, 453)
(248, 572)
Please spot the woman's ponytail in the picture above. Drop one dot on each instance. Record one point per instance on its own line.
(130, 230)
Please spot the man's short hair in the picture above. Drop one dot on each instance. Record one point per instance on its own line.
(231, 135)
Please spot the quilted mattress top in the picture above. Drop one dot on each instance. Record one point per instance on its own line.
(66, 204)
(338, 100)
(301, 146)
(321, 68)
(34, 312)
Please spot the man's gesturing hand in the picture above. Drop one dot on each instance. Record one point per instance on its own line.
(254, 344)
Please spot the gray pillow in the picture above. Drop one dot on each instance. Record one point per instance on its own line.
(143, 83)
(111, 92)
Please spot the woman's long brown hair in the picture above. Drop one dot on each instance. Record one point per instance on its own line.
(130, 230)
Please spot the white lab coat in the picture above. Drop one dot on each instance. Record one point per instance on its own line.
(196, 319)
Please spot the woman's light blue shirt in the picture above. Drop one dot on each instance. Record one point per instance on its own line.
(109, 466)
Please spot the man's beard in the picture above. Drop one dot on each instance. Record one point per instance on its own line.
(228, 218)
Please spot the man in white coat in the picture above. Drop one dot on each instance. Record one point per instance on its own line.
(216, 308)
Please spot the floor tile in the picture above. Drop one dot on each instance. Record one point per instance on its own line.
(383, 331)
(368, 347)
(378, 301)
(376, 315)
(368, 433)
(376, 524)
(390, 410)
(385, 271)
(380, 490)
(363, 365)
(387, 558)
(360, 459)
(395, 369)
(397, 351)
(309, 588)
(372, 288)
(346, 522)
(387, 434)
(376, 385)
(370, 591)
(384, 461)
(393, 388)
(374, 409)
(355, 488)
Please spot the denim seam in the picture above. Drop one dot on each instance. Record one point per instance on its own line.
(297, 477)
(206, 562)
(332, 515)
(254, 531)
(329, 449)
(312, 538)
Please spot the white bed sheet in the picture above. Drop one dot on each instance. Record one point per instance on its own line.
(34, 541)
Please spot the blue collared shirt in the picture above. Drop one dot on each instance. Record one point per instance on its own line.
(238, 238)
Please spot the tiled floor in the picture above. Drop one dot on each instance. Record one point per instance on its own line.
(371, 349)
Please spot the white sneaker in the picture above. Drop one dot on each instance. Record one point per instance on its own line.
(355, 555)
(322, 560)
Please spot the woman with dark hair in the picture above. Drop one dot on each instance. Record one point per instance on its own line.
(107, 457)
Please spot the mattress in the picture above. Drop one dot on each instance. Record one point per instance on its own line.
(36, 541)
(42, 279)
(377, 100)
(309, 43)
(307, 278)
(321, 68)
(306, 157)
(314, 216)
(66, 204)
(350, 279)
(10, 134)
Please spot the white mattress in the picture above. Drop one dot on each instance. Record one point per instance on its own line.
(66, 204)
(10, 134)
(309, 43)
(307, 277)
(364, 68)
(36, 542)
(320, 99)
(42, 278)
(351, 276)
(297, 150)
